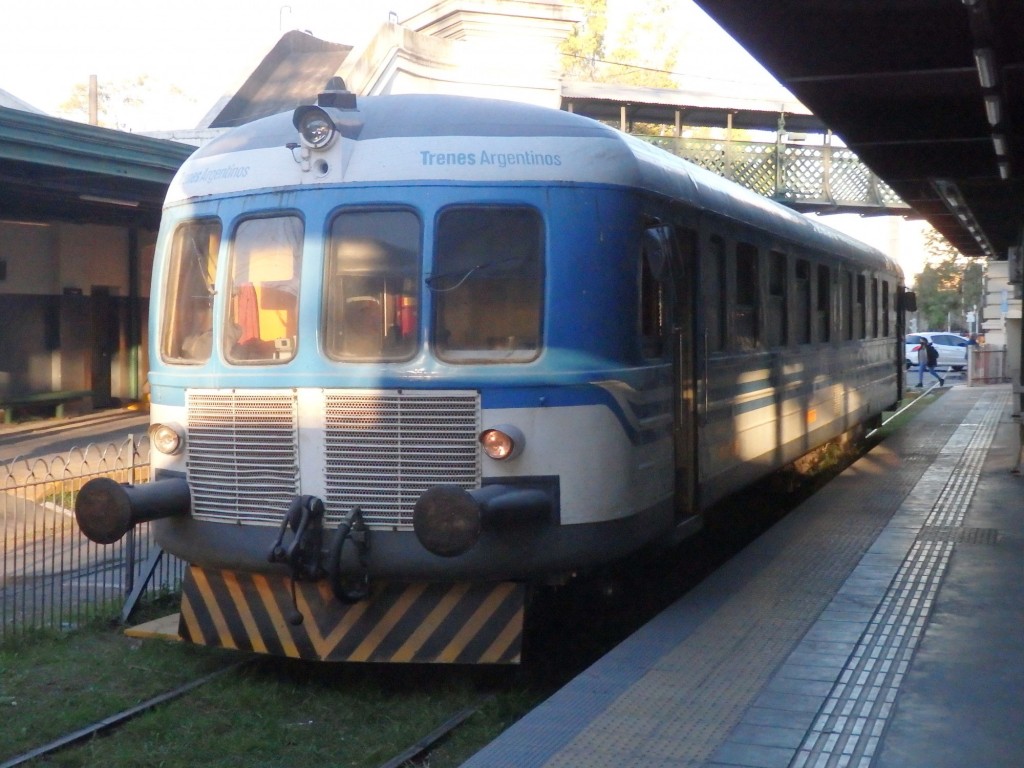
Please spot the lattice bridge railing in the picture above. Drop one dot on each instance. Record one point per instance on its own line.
(805, 177)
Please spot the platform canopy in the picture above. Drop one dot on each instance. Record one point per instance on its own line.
(928, 93)
(53, 169)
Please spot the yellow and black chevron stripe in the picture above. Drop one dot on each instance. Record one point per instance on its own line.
(464, 623)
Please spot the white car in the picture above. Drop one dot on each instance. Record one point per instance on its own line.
(952, 349)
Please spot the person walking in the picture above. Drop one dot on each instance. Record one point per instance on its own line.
(927, 357)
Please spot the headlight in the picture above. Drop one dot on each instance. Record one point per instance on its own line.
(315, 126)
(502, 442)
(166, 438)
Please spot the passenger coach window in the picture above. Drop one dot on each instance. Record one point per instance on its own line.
(488, 284)
(263, 318)
(187, 325)
(778, 314)
(873, 333)
(824, 313)
(802, 315)
(860, 309)
(885, 308)
(745, 325)
(372, 297)
(714, 296)
(846, 304)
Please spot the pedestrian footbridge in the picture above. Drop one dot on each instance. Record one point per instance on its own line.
(765, 141)
(808, 177)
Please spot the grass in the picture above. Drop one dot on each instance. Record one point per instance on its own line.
(53, 683)
(272, 712)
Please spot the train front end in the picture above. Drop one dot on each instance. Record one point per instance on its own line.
(372, 425)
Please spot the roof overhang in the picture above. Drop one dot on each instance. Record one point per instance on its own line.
(927, 93)
(693, 103)
(52, 169)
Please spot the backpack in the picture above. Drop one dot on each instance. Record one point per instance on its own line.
(933, 355)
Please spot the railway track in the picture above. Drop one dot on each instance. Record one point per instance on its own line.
(107, 723)
(418, 750)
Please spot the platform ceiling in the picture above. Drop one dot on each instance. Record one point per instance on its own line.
(899, 82)
(53, 169)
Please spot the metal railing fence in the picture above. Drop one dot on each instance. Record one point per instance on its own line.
(53, 577)
(801, 175)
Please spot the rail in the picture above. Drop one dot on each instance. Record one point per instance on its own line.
(53, 577)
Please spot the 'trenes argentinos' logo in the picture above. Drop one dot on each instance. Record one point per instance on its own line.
(483, 158)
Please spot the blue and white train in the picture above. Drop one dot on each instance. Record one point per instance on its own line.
(413, 354)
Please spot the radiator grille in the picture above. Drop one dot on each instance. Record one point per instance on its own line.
(384, 448)
(243, 456)
(381, 450)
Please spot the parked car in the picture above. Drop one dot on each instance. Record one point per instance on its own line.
(952, 349)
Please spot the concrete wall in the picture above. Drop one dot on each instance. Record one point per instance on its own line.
(1002, 303)
(61, 282)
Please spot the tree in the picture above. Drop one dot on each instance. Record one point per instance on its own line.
(642, 53)
(137, 103)
(583, 50)
(949, 286)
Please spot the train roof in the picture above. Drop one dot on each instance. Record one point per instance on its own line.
(427, 138)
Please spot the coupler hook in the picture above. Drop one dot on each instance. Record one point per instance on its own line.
(302, 554)
(356, 588)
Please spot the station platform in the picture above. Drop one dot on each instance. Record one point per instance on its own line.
(880, 624)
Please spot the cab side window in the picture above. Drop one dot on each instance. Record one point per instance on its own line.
(186, 328)
(655, 268)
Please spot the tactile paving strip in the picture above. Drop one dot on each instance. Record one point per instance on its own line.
(959, 535)
(849, 726)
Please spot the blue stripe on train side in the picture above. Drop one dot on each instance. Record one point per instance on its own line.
(644, 414)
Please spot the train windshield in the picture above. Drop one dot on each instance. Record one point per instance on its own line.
(371, 283)
(488, 284)
(263, 294)
(487, 287)
(188, 309)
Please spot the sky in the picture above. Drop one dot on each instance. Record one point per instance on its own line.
(204, 47)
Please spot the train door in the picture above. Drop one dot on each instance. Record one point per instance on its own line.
(684, 371)
(670, 253)
(906, 301)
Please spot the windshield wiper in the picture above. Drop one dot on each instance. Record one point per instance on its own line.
(464, 275)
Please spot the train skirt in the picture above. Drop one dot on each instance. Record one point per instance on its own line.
(461, 623)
